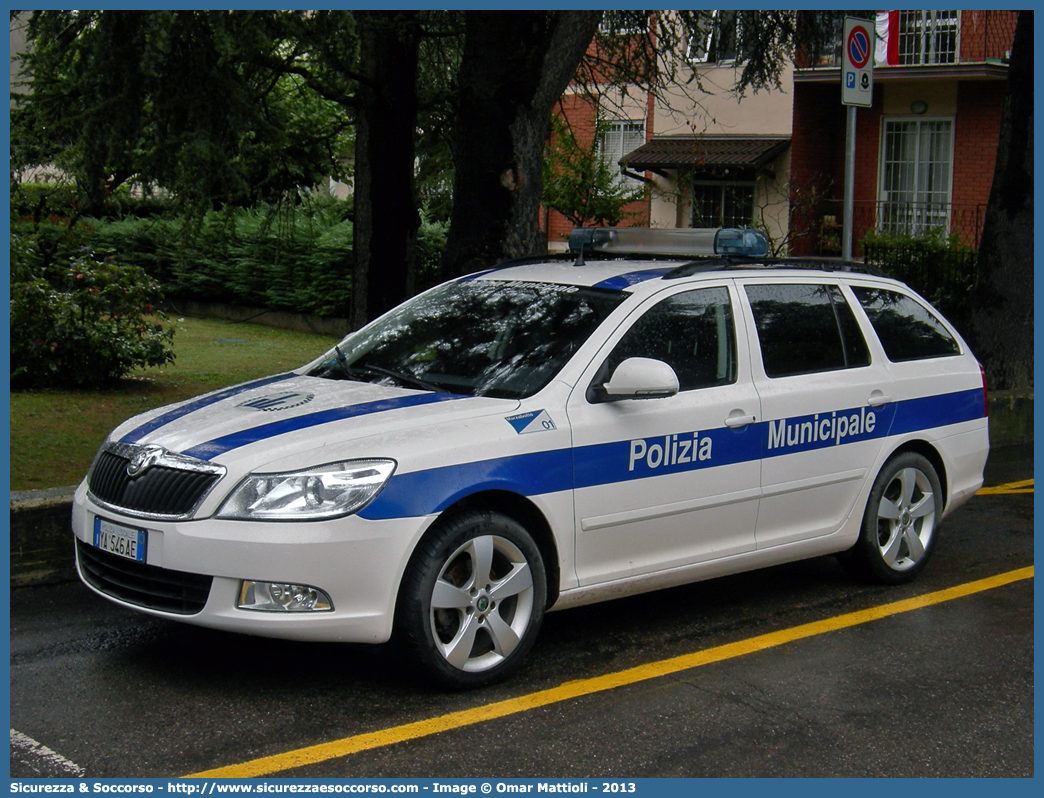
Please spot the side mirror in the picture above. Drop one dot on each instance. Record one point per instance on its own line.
(641, 378)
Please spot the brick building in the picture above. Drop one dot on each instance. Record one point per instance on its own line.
(630, 123)
(925, 150)
(710, 158)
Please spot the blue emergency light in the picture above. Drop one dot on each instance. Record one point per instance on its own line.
(683, 242)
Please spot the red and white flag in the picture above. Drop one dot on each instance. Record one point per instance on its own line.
(886, 52)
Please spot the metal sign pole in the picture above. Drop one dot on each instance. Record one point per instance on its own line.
(850, 146)
(857, 88)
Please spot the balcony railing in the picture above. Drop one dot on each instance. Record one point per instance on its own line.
(819, 233)
(927, 37)
(945, 37)
(943, 274)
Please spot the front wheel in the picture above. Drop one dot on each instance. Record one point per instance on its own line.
(473, 599)
(900, 526)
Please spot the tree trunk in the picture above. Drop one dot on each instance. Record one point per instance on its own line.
(515, 66)
(386, 218)
(1002, 300)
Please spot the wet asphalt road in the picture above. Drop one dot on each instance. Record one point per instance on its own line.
(946, 690)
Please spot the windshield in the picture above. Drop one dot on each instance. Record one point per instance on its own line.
(475, 337)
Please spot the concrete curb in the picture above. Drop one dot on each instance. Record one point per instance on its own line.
(42, 544)
(41, 538)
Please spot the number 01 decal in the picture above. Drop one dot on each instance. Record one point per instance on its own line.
(535, 421)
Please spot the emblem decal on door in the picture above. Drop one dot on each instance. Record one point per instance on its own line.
(535, 421)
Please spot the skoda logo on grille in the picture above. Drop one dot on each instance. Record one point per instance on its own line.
(279, 401)
(145, 459)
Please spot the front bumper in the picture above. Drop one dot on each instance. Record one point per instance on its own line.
(358, 563)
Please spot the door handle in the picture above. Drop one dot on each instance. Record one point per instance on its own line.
(878, 398)
(737, 420)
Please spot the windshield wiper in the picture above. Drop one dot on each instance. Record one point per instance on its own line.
(348, 370)
(407, 379)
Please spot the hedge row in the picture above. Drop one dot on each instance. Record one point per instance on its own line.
(938, 266)
(297, 259)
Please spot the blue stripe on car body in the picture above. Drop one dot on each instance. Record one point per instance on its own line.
(430, 491)
(154, 424)
(211, 449)
(938, 411)
(421, 493)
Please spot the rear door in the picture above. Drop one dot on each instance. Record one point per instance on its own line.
(827, 404)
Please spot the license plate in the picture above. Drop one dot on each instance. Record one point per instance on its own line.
(123, 541)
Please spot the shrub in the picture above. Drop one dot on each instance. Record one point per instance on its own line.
(79, 321)
(936, 265)
(580, 184)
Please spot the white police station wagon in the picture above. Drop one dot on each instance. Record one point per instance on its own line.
(546, 434)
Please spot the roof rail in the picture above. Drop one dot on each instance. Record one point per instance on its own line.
(812, 264)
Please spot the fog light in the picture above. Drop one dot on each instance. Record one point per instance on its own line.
(282, 597)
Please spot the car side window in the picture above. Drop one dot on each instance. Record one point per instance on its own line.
(692, 332)
(805, 329)
(906, 328)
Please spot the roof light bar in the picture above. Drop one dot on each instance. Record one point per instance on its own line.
(731, 241)
(686, 242)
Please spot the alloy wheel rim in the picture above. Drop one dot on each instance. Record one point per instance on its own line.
(905, 519)
(481, 604)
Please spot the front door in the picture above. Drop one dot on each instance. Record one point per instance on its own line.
(667, 482)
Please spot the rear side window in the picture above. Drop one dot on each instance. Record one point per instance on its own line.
(804, 329)
(906, 328)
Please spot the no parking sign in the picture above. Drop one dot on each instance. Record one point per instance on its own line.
(857, 63)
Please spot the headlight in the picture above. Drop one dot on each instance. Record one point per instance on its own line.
(323, 492)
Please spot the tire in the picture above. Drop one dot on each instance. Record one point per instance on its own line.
(901, 522)
(473, 599)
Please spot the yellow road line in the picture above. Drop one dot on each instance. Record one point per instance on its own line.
(1023, 486)
(576, 689)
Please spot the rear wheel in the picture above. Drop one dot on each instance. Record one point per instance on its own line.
(900, 525)
(473, 599)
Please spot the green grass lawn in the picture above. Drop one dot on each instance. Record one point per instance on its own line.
(55, 434)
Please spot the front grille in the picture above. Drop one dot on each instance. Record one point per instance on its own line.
(173, 487)
(143, 585)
